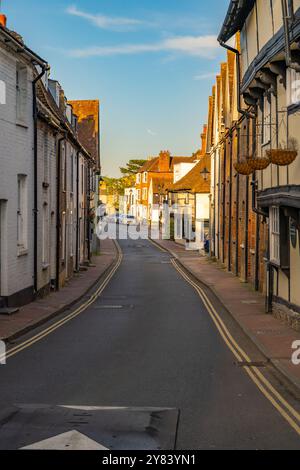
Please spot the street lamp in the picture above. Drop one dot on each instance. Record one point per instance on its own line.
(205, 173)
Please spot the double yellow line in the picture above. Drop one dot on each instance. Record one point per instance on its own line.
(277, 400)
(26, 344)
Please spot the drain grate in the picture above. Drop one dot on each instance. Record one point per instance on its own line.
(252, 363)
(112, 307)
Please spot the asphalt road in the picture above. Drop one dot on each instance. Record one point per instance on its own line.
(148, 341)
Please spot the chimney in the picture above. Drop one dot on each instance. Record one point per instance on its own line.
(204, 140)
(2, 20)
(164, 162)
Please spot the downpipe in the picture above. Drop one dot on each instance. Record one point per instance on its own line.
(45, 68)
(58, 221)
(287, 18)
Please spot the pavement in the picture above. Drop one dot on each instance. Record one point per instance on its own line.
(146, 343)
(273, 337)
(42, 310)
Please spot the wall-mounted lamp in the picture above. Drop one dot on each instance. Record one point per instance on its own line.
(205, 173)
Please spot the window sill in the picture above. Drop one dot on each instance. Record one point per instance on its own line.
(265, 144)
(293, 108)
(45, 266)
(21, 124)
(22, 252)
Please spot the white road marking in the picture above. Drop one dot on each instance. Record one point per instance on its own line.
(72, 440)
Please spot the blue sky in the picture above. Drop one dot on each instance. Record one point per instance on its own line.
(150, 62)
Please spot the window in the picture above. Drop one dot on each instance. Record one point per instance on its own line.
(63, 168)
(72, 173)
(22, 213)
(63, 236)
(2, 92)
(145, 194)
(139, 194)
(21, 94)
(275, 235)
(46, 158)
(45, 247)
(266, 121)
(82, 179)
(145, 177)
(292, 87)
(138, 178)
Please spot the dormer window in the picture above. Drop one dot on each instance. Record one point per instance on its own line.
(21, 94)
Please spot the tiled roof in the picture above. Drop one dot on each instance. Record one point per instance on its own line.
(153, 164)
(193, 181)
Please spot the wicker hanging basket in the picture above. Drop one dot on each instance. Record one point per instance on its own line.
(259, 163)
(281, 157)
(244, 167)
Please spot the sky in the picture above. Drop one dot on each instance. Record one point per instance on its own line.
(151, 63)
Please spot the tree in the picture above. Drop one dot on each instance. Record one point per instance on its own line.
(132, 167)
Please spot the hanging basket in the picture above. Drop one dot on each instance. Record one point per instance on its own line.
(281, 157)
(244, 167)
(260, 164)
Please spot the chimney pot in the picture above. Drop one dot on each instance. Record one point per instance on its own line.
(2, 20)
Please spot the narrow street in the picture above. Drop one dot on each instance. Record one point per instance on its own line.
(148, 341)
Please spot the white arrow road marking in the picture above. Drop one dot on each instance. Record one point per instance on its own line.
(72, 440)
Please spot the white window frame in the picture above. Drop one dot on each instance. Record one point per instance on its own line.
(45, 235)
(139, 194)
(292, 87)
(145, 177)
(21, 94)
(275, 235)
(63, 237)
(266, 121)
(22, 225)
(145, 194)
(138, 178)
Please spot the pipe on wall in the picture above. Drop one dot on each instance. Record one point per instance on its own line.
(58, 221)
(44, 68)
(287, 18)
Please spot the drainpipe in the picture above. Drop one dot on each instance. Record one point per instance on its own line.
(242, 111)
(58, 209)
(288, 17)
(77, 212)
(44, 68)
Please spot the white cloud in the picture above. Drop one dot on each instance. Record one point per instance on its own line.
(201, 46)
(105, 22)
(150, 132)
(205, 76)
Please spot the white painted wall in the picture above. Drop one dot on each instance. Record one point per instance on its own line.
(16, 157)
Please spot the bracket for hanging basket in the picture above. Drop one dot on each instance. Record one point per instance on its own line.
(244, 167)
(259, 163)
(281, 157)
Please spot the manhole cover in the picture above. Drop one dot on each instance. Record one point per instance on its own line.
(46, 427)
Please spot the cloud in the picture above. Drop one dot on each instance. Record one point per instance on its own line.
(150, 132)
(205, 76)
(105, 22)
(200, 46)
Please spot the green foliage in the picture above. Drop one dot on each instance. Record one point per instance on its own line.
(117, 186)
(132, 167)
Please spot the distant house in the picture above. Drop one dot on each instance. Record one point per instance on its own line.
(190, 196)
(153, 180)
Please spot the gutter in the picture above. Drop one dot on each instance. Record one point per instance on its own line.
(58, 210)
(22, 48)
(287, 18)
(77, 212)
(45, 68)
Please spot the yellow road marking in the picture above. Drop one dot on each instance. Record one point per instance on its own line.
(15, 350)
(256, 376)
(157, 245)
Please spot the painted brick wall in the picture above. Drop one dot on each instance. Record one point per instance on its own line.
(16, 156)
